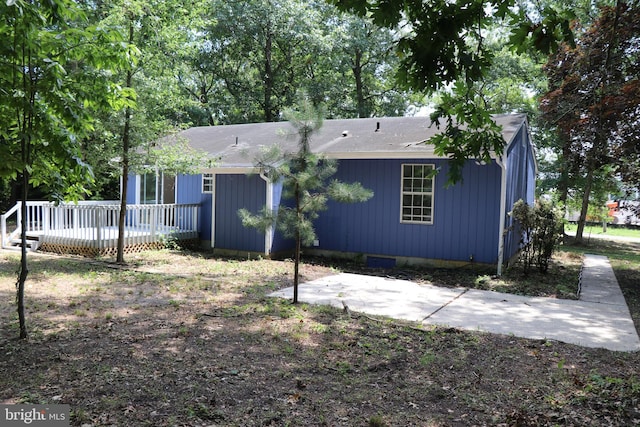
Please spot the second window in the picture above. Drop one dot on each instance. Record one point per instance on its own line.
(417, 193)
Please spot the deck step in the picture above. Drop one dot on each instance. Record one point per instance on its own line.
(32, 244)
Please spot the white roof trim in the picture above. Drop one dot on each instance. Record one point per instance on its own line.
(220, 170)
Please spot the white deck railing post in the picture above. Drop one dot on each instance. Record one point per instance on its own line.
(46, 219)
(95, 224)
(99, 218)
(194, 223)
(75, 219)
(27, 227)
(154, 220)
(3, 231)
(19, 218)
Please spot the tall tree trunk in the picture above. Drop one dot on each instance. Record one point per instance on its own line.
(25, 147)
(28, 83)
(126, 143)
(357, 74)
(296, 257)
(585, 203)
(563, 183)
(125, 182)
(204, 103)
(268, 77)
(24, 268)
(296, 268)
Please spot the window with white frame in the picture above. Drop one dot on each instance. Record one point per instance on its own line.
(417, 193)
(207, 183)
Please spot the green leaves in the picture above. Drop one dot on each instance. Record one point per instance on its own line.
(441, 42)
(348, 193)
(444, 46)
(470, 132)
(175, 158)
(544, 35)
(54, 72)
(304, 178)
(262, 221)
(540, 229)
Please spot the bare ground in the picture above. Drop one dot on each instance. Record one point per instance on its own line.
(187, 340)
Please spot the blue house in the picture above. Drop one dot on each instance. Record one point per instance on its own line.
(412, 217)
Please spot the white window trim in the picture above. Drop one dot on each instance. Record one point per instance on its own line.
(142, 185)
(402, 193)
(208, 183)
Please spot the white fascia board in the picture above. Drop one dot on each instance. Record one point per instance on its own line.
(231, 170)
(392, 155)
(382, 155)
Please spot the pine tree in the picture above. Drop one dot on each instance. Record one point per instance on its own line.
(306, 180)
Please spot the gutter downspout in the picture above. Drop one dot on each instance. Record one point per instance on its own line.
(268, 235)
(502, 162)
(213, 210)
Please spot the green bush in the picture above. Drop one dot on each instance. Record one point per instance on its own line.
(540, 231)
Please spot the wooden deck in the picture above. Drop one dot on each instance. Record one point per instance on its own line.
(91, 228)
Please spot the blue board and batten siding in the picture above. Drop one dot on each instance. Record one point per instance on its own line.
(465, 216)
(189, 190)
(132, 189)
(234, 192)
(521, 175)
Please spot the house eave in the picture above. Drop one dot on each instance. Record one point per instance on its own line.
(391, 155)
(231, 170)
(373, 155)
(382, 155)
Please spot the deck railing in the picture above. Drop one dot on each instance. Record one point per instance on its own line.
(95, 224)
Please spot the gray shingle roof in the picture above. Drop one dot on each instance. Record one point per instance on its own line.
(384, 137)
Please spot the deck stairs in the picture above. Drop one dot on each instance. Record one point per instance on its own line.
(91, 227)
(15, 244)
(10, 231)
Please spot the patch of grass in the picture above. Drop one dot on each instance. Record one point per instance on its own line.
(319, 328)
(377, 421)
(616, 251)
(79, 416)
(343, 367)
(611, 231)
(234, 356)
(427, 358)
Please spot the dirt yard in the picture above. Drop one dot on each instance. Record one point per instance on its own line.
(187, 340)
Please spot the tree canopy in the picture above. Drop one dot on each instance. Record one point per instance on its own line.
(53, 80)
(306, 180)
(443, 47)
(593, 101)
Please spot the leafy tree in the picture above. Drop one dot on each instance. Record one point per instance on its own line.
(52, 81)
(305, 177)
(356, 75)
(246, 61)
(442, 45)
(136, 127)
(511, 83)
(259, 49)
(540, 231)
(592, 101)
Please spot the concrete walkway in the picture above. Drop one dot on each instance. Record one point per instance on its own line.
(600, 318)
